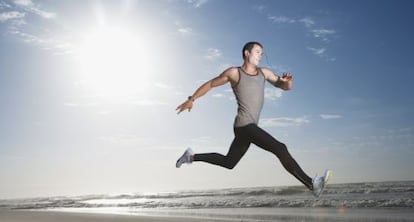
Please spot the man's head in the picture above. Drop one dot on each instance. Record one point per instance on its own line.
(252, 50)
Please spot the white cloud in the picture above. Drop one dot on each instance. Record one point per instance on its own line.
(323, 33)
(281, 19)
(46, 43)
(60, 48)
(330, 116)
(16, 18)
(259, 8)
(197, 3)
(226, 94)
(213, 53)
(321, 53)
(5, 16)
(278, 68)
(316, 51)
(273, 93)
(44, 14)
(307, 21)
(29, 38)
(4, 5)
(163, 86)
(401, 130)
(311, 28)
(283, 121)
(28, 5)
(184, 30)
(218, 95)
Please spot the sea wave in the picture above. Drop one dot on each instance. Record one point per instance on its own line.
(356, 195)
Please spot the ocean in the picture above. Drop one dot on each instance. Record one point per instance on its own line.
(258, 203)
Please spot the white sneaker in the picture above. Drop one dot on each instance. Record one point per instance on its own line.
(185, 158)
(319, 183)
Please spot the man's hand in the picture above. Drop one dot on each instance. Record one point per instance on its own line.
(286, 77)
(185, 105)
(285, 82)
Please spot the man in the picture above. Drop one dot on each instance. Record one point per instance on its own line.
(247, 83)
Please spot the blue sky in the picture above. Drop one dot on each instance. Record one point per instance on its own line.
(88, 91)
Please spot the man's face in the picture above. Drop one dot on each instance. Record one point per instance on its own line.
(255, 55)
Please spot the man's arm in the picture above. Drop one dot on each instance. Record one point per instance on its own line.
(284, 82)
(221, 79)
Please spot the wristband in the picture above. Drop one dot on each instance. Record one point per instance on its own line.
(278, 81)
(191, 98)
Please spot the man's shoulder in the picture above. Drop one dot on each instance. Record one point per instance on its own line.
(232, 74)
(231, 71)
(266, 71)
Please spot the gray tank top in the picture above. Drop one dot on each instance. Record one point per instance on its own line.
(249, 93)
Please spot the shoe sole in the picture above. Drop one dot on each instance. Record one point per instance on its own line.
(188, 151)
(328, 175)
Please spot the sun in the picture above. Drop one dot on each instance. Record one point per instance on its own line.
(113, 62)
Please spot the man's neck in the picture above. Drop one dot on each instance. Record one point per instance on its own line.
(249, 68)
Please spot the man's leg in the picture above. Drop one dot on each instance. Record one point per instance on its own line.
(237, 150)
(265, 141)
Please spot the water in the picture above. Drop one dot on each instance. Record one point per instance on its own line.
(387, 197)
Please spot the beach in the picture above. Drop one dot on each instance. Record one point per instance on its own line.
(221, 215)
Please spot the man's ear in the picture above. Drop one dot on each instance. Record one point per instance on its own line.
(246, 53)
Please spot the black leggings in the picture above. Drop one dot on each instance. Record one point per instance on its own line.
(246, 135)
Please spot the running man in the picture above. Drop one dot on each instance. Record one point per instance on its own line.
(247, 83)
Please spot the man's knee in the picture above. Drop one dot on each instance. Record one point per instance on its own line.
(281, 151)
(230, 165)
(283, 147)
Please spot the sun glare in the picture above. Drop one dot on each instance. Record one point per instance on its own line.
(113, 62)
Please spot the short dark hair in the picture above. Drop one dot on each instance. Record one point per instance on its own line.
(249, 46)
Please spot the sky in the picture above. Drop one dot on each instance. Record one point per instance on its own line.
(88, 92)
